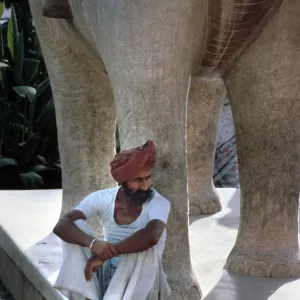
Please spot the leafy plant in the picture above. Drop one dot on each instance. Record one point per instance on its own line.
(28, 138)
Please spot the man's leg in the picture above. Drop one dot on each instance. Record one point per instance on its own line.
(139, 276)
(71, 280)
(204, 107)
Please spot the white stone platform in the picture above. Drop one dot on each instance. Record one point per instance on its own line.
(26, 217)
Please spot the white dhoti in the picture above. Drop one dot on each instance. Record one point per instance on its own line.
(137, 276)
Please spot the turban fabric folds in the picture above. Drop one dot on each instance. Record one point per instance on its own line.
(128, 163)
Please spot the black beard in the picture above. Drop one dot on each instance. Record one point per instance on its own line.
(138, 197)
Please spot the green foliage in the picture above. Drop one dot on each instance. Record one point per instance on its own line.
(1, 8)
(28, 139)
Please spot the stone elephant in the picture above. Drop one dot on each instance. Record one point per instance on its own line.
(138, 62)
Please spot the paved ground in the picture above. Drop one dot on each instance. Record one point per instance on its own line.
(211, 239)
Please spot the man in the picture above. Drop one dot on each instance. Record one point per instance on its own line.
(134, 218)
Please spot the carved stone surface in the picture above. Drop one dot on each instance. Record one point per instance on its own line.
(84, 106)
(142, 54)
(232, 26)
(150, 92)
(204, 107)
(263, 87)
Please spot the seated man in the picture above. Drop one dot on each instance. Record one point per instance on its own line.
(134, 218)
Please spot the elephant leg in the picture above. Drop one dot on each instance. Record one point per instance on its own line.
(204, 107)
(264, 89)
(147, 47)
(85, 110)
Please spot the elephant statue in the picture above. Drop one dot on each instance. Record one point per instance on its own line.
(139, 62)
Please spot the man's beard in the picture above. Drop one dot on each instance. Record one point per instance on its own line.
(138, 197)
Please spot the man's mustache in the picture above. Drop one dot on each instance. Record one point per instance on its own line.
(142, 193)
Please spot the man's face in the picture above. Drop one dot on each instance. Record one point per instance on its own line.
(138, 189)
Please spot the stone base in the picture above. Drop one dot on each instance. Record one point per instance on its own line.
(24, 221)
(21, 275)
(19, 285)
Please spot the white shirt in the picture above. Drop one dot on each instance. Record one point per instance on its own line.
(102, 203)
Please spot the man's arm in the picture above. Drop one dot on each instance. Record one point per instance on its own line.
(143, 239)
(69, 232)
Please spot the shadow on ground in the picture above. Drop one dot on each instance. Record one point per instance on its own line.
(233, 286)
(231, 219)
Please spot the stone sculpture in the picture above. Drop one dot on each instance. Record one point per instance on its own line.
(135, 61)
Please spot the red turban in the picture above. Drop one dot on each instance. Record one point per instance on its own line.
(128, 163)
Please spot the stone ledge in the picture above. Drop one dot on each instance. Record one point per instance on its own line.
(19, 274)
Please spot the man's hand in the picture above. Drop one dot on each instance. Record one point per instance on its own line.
(104, 250)
(92, 265)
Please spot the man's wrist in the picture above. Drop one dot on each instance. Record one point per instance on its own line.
(92, 243)
(88, 240)
(116, 246)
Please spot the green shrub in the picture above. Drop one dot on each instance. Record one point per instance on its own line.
(29, 156)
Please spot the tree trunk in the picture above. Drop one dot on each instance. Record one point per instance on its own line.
(264, 90)
(147, 48)
(85, 111)
(204, 107)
